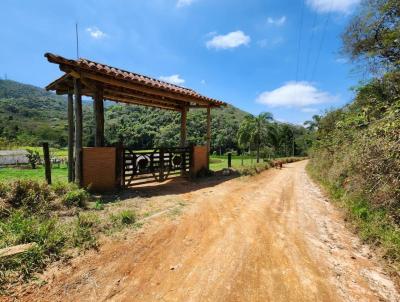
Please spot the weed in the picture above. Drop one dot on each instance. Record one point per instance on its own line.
(76, 197)
(84, 231)
(99, 205)
(125, 217)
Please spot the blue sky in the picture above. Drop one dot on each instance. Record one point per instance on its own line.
(242, 52)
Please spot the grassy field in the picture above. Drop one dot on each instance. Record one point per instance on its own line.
(61, 174)
(10, 174)
(220, 162)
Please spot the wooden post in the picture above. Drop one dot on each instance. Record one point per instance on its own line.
(98, 106)
(71, 130)
(47, 164)
(229, 160)
(119, 167)
(78, 132)
(183, 127)
(208, 136)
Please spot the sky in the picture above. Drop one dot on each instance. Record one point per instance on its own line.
(258, 55)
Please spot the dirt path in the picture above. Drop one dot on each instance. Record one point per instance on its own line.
(272, 237)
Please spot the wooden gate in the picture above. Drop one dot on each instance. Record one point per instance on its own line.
(155, 165)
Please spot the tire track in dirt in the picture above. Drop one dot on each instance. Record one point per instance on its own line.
(272, 237)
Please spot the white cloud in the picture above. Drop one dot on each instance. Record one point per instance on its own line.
(277, 21)
(231, 40)
(295, 94)
(182, 3)
(96, 33)
(309, 110)
(339, 6)
(173, 79)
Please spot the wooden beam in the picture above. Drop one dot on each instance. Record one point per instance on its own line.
(78, 132)
(208, 135)
(151, 98)
(98, 108)
(121, 82)
(183, 127)
(134, 101)
(71, 130)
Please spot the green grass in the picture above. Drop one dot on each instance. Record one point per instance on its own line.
(218, 162)
(11, 174)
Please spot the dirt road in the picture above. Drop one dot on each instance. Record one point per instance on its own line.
(272, 237)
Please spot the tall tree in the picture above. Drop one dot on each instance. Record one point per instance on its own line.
(255, 130)
(374, 35)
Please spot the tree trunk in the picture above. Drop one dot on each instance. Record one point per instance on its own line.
(258, 152)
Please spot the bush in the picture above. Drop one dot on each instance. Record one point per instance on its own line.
(124, 217)
(31, 195)
(85, 229)
(20, 228)
(61, 188)
(76, 197)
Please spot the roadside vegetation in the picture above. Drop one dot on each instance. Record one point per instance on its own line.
(58, 221)
(356, 154)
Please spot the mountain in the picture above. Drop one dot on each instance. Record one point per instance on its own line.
(29, 115)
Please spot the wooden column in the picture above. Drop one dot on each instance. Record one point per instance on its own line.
(98, 106)
(78, 132)
(183, 127)
(208, 135)
(47, 163)
(71, 130)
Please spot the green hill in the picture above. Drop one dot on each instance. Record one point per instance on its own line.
(29, 115)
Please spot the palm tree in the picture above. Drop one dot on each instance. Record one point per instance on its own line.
(255, 129)
(244, 133)
(313, 124)
(261, 131)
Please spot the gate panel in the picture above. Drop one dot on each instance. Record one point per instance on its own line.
(155, 165)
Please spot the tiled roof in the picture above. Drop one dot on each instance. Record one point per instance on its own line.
(136, 78)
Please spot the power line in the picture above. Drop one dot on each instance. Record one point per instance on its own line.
(299, 41)
(321, 41)
(310, 44)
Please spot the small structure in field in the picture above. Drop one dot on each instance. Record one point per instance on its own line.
(107, 167)
(13, 157)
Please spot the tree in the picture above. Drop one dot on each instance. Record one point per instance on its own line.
(254, 130)
(373, 35)
(313, 124)
(33, 157)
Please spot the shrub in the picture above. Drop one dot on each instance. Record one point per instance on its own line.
(61, 188)
(76, 197)
(20, 228)
(84, 231)
(124, 217)
(32, 195)
(33, 157)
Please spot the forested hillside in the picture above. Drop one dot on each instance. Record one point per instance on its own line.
(30, 115)
(357, 149)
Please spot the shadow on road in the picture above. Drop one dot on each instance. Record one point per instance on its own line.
(172, 186)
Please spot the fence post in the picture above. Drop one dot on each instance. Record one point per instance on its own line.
(161, 158)
(119, 165)
(229, 160)
(47, 164)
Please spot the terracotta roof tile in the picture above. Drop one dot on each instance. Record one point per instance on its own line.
(130, 76)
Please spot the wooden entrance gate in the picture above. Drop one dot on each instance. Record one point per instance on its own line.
(155, 165)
